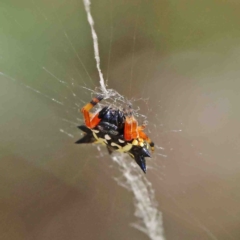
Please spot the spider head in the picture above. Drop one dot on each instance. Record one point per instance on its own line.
(112, 116)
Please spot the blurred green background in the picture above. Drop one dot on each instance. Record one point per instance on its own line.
(183, 55)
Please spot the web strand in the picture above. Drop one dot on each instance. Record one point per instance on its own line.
(87, 4)
(144, 198)
(145, 204)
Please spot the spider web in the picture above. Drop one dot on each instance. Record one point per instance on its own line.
(48, 73)
(150, 218)
(145, 203)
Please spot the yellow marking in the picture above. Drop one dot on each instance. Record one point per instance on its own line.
(135, 142)
(99, 140)
(131, 155)
(96, 131)
(126, 148)
(95, 135)
(102, 141)
(114, 144)
(141, 144)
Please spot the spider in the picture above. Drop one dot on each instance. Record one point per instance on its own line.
(116, 129)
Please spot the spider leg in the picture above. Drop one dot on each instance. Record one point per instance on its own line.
(144, 136)
(130, 128)
(90, 121)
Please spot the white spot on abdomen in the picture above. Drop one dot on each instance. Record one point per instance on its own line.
(120, 140)
(107, 137)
